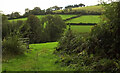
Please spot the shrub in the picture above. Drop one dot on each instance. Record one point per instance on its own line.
(11, 46)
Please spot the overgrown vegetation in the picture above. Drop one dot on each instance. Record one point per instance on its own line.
(11, 45)
(97, 52)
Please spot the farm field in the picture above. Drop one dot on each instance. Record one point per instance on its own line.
(86, 9)
(40, 16)
(85, 19)
(40, 58)
(80, 28)
(89, 9)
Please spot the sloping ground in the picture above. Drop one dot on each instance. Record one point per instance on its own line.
(39, 58)
(87, 9)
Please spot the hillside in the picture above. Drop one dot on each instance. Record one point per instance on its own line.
(83, 10)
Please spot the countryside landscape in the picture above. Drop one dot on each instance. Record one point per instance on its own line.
(75, 37)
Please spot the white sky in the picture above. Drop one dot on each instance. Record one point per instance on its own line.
(9, 6)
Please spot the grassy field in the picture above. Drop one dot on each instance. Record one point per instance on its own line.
(40, 16)
(40, 58)
(89, 9)
(86, 9)
(85, 19)
(80, 28)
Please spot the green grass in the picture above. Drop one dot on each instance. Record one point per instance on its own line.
(89, 9)
(80, 28)
(86, 9)
(40, 58)
(85, 19)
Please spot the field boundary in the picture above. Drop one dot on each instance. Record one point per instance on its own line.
(72, 17)
(82, 24)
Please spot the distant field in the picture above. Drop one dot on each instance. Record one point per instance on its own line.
(40, 16)
(85, 19)
(80, 28)
(89, 9)
(97, 9)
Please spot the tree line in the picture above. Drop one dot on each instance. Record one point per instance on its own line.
(39, 11)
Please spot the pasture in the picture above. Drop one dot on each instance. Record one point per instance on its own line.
(80, 28)
(87, 9)
(85, 19)
(40, 57)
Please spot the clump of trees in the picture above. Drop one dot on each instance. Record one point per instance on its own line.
(35, 11)
(76, 5)
(100, 51)
(49, 28)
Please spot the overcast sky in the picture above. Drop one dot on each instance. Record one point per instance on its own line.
(9, 6)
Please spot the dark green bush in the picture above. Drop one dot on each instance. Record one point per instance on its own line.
(11, 46)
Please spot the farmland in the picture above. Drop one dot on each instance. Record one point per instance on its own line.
(87, 9)
(86, 19)
(80, 28)
(75, 28)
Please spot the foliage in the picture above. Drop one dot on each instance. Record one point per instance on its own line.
(11, 46)
(53, 27)
(5, 26)
(102, 35)
(23, 29)
(35, 11)
(15, 15)
(100, 50)
(35, 28)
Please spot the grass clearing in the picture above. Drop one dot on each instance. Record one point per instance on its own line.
(39, 58)
(85, 19)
